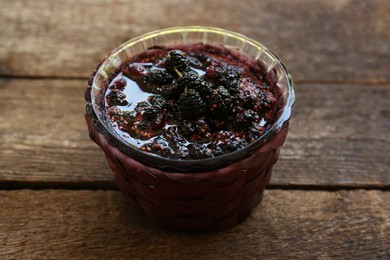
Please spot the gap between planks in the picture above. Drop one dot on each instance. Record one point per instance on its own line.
(329, 82)
(103, 185)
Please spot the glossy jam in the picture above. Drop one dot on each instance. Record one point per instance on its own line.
(170, 134)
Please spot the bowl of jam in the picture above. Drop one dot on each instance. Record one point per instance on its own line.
(183, 103)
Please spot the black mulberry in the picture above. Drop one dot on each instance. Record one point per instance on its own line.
(226, 142)
(219, 103)
(254, 132)
(152, 107)
(195, 129)
(191, 80)
(116, 98)
(191, 104)
(204, 59)
(176, 60)
(171, 90)
(243, 118)
(158, 146)
(225, 75)
(199, 151)
(159, 77)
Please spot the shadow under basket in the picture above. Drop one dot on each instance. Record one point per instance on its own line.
(210, 200)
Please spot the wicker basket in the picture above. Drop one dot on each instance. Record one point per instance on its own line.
(208, 199)
(211, 200)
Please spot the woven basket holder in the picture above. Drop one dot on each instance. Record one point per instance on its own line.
(211, 200)
(196, 201)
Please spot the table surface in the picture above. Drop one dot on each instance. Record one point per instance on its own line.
(330, 191)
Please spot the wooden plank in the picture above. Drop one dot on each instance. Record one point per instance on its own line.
(288, 224)
(321, 41)
(338, 136)
(44, 135)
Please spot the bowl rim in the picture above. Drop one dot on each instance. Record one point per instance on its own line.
(180, 163)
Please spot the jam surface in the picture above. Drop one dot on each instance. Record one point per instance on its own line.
(191, 102)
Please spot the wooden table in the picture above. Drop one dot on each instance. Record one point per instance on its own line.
(329, 196)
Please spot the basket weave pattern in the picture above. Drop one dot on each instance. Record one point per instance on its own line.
(211, 200)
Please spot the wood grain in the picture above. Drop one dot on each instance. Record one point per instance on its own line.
(288, 224)
(338, 136)
(337, 51)
(322, 41)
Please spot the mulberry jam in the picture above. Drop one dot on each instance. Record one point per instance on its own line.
(191, 102)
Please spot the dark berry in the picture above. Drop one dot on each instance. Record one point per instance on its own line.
(134, 70)
(233, 86)
(171, 135)
(116, 98)
(252, 97)
(222, 72)
(176, 59)
(171, 90)
(191, 105)
(157, 101)
(159, 77)
(202, 86)
(195, 130)
(157, 105)
(253, 132)
(176, 142)
(228, 72)
(204, 59)
(158, 146)
(225, 75)
(191, 80)
(199, 151)
(219, 103)
(243, 118)
(141, 106)
(227, 142)
(182, 152)
(211, 72)
(115, 113)
(118, 84)
(158, 122)
(230, 78)
(248, 98)
(194, 62)
(266, 100)
(235, 144)
(189, 75)
(216, 150)
(152, 112)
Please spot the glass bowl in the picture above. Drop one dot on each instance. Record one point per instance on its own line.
(188, 35)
